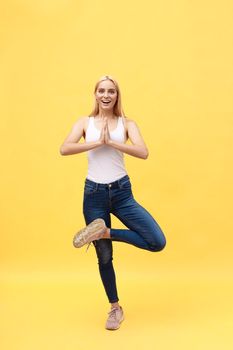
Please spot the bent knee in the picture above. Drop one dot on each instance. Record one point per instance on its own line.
(158, 246)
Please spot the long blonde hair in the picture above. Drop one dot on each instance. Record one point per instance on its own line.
(117, 109)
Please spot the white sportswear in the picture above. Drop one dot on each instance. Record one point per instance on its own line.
(105, 163)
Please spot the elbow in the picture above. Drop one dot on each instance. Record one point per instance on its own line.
(145, 154)
(62, 150)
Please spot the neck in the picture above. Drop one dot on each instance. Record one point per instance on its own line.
(102, 113)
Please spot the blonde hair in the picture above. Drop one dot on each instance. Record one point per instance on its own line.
(117, 109)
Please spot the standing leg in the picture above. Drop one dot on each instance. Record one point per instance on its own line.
(95, 206)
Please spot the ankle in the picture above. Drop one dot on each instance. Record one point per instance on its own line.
(115, 305)
(106, 233)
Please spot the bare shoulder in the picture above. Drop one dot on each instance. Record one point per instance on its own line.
(130, 123)
(80, 121)
(129, 120)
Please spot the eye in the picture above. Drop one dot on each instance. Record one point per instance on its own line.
(112, 91)
(101, 91)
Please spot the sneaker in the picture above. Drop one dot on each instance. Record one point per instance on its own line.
(116, 316)
(95, 230)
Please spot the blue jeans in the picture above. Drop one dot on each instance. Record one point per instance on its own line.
(99, 201)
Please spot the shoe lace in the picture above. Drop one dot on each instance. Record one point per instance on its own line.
(88, 246)
(112, 312)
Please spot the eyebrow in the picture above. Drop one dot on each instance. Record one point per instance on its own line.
(101, 88)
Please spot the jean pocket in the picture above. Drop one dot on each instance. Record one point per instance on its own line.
(89, 189)
(126, 185)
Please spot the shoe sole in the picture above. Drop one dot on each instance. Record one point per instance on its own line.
(91, 232)
(113, 329)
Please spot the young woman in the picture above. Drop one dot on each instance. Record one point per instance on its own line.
(108, 188)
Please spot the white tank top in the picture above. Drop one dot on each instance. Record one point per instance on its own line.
(105, 163)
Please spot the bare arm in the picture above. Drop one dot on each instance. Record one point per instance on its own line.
(138, 147)
(71, 144)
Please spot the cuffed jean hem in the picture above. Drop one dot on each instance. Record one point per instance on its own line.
(114, 301)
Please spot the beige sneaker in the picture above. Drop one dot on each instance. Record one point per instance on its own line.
(95, 230)
(116, 316)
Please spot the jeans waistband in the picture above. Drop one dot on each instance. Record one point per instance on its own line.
(114, 184)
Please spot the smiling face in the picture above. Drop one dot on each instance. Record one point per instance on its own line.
(106, 95)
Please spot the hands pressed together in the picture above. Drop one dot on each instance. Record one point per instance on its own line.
(105, 135)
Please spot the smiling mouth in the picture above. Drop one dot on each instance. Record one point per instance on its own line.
(106, 102)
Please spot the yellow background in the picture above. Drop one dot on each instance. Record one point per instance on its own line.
(173, 61)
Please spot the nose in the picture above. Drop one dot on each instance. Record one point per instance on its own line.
(105, 94)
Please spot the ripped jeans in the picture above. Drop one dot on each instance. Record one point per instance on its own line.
(99, 200)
